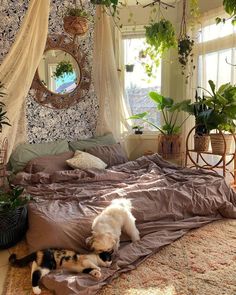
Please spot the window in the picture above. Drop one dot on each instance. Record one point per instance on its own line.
(137, 84)
(216, 53)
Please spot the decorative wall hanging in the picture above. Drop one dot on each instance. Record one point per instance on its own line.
(63, 76)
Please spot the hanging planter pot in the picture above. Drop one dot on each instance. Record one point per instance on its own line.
(129, 68)
(75, 25)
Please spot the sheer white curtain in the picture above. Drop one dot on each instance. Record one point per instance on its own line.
(112, 111)
(19, 66)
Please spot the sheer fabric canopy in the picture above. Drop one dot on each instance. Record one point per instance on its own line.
(112, 113)
(19, 66)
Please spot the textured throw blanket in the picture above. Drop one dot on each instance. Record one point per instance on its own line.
(167, 202)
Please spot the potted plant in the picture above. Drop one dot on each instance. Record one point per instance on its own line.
(201, 137)
(13, 215)
(220, 116)
(160, 36)
(138, 129)
(129, 68)
(76, 21)
(64, 67)
(169, 140)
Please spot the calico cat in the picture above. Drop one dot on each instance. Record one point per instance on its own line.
(46, 260)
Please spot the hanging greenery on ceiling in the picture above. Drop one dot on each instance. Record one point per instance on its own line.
(185, 46)
(230, 8)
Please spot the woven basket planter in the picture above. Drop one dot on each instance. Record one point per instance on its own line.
(75, 25)
(169, 145)
(13, 226)
(201, 143)
(218, 142)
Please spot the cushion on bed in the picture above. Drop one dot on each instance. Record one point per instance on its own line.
(50, 163)
(26, 152)
(82, 145)
(110, 154)
(82, 160)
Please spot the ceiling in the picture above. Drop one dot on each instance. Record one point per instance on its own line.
(145, 2)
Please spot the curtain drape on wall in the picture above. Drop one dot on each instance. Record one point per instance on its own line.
(112, 113)
(19, 66)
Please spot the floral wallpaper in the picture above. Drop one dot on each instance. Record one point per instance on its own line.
(45, 124)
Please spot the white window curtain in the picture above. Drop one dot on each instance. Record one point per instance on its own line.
(19, 66)
(112, 115)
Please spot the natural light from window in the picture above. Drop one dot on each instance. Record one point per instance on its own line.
(137, 84)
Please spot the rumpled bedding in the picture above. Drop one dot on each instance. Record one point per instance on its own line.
(167, 202)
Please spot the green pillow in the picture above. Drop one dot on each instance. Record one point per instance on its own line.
(26, 152)
(82, 145)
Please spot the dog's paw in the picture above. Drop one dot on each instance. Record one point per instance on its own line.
(108, 263)
(36, 290)
(96, 273)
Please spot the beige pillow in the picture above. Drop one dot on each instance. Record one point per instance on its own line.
(82, 160)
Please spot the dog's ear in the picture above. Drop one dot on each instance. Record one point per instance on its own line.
(89, 241)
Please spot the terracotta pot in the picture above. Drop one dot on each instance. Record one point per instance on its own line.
(169, 145)
(75, 25)
(221, 143)
(201, 143)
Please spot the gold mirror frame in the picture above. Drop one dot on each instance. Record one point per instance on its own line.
(62, 101)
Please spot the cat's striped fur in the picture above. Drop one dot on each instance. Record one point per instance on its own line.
(46, 260)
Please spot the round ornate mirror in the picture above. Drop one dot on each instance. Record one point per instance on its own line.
(59, 72)
(63, 76)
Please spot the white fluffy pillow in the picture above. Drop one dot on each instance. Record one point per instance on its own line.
(82, 160)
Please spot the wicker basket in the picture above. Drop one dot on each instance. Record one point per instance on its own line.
(169, 144)
(218, 143)
(13, 226)
(75, 25)
(201, 143)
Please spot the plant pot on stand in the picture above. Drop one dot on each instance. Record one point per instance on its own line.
(221, 143)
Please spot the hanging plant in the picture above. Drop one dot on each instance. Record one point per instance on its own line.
(185, 46)
(76, 20)
(110, 4)
(160, 37)
(230, 8)
(63, 68)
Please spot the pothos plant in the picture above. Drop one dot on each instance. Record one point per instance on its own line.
(160, 36)
(185, 46)
(230, 8)
(63, 68)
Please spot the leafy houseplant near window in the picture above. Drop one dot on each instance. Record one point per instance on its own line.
(220, 115)
(169, 141)
(201, 137)
(160, 36)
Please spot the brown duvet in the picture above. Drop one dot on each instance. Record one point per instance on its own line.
(167, 202)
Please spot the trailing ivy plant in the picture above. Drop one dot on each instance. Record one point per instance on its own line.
(230, 8)
(63, 68)
(160, 36)
(185, 46)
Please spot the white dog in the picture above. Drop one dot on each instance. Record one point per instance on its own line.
(107, 227)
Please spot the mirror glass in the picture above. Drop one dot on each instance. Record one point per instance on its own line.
(59, 72)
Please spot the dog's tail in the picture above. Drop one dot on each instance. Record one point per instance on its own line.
(123, 202)
(22, 261)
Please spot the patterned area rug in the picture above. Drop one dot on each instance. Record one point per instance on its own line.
(203, 262)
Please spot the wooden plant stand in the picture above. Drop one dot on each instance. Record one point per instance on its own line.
(225, 159)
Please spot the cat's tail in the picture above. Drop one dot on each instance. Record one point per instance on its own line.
(22, 261)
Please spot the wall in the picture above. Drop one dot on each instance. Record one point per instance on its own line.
(45, 124)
